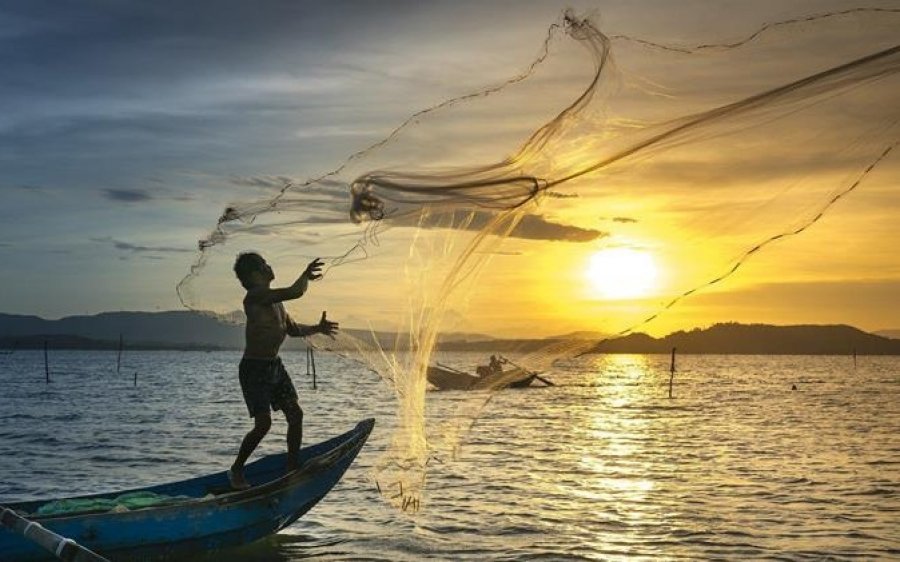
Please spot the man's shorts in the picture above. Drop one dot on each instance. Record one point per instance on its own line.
(265, 383)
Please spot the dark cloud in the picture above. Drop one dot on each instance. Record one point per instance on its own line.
(137, 248)
(624, 220)
(30, 188)
(136, 89)
(536, 227)
(262, 182)
(142, 195)
(127, 195)
(531, 227)
(127, 50)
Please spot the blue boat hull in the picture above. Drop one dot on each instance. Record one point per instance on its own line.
(215, 519)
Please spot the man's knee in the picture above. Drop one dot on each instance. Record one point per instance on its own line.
(262, 423)
(294, 414)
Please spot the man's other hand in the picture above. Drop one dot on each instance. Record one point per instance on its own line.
(327, 327)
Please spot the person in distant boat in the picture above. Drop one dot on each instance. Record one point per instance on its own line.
(264, 381)
(494, 366)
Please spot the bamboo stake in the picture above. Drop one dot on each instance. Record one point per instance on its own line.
(672, 372)
(119, 356)
(311, 364)
(46, 363)
(312, 357)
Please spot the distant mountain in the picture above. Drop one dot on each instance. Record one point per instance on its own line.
(155, 330)
(893, 334)
(496, 346)
(464, 337)
(581, 335)
(193, 330)
(732, 338)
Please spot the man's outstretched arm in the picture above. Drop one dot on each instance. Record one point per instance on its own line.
(295, 291)
(324, 326)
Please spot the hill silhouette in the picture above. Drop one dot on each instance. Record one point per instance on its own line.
(192, 330)
(763, 339)
(182, 329)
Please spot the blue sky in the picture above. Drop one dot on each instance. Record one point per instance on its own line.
(128, 126)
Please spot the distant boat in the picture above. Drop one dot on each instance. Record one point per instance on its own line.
(447, 378)
(213, 516)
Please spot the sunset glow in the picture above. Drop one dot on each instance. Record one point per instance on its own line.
(622, 273)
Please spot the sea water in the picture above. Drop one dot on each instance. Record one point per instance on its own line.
(602, 466)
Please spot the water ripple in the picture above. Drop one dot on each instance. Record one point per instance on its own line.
(603, 466)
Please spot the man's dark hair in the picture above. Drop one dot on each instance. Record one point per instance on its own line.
(245, 264)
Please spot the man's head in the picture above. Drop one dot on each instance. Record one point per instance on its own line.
(252, 270)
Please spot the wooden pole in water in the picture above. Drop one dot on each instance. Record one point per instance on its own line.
(312, 357)
(672, 372)
(61, 547)
(119, 356)
(854, 357)
(135, 378)
(46, 363)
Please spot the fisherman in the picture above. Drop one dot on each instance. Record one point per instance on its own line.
(264, 381)
(496, 364)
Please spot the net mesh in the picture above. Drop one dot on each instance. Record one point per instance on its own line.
(699, 155)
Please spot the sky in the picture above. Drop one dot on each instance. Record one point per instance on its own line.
(127, 127)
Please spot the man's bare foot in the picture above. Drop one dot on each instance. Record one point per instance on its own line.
(292, 466)
(237, 480)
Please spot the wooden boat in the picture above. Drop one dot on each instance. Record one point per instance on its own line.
(212, 518)
(511, 378)
(444, 378)
(448, 379)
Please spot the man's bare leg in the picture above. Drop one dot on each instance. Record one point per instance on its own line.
(294, 416)
(261, 424)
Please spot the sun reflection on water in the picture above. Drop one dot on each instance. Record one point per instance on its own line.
(618, 465)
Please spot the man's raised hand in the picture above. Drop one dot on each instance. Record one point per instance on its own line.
(313, 271)
(327, 327)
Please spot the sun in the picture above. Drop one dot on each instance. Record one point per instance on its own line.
(622, 273)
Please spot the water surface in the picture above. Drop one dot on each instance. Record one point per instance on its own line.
(603, 466)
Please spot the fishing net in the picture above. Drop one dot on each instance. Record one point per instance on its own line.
(479, 214)
(124, 502)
